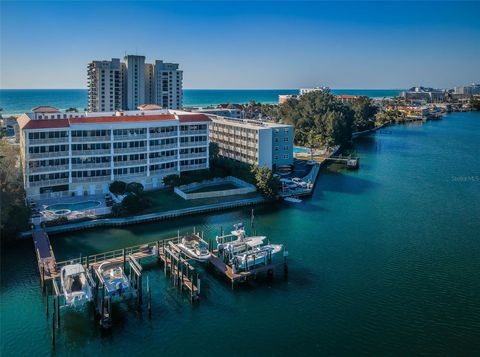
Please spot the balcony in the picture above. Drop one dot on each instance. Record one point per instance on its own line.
(164, 135)
(156, 160)
(193, 143)
(129, 150)
(44, 155)
(95, 165)
(90, 152)
(193, 155)
(130, 163)
(47, 183)
(193, 167)
(47, 141)
(164, 172)
(130, 177)
(82, 139)
(129, 137)
(163, 147)
(91, 179)
(194, 132)
(48, 168)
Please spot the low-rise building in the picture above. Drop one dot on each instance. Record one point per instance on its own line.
(347, 99)
(223, 112)
(82, 153)
(253, 142)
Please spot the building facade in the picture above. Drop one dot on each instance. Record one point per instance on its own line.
(223, 112)
(105, 85)
(82, 153)
(115, 85)
(253, 142)
(472, 89)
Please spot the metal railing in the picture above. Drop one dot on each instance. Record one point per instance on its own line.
(165, 172)
(78, 139)
(129, 150)
(42, 155)
(48, 141)
(48, 168)
(163, 147)
(49, 182)
(129, 137)
(163, 135)
(193, 155)
(193, 132)
(154, 160)
(130, 163)
(90, 152)
(97, 165)
(193, 167)
(193, 143)
(91, 179)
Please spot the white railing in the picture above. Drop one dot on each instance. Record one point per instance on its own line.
(193, 132)
(48, 141)
(163, 147)
(42, 155)
(97, 165)
(164, 172)
(128, 177)
(91, 179)
(129, 150)
(49, 182)
(130, 163)
(155, 160)
(129, 137)
(78, 139)
(193, 143)
(163, 135)
(193, 167)
(90, 152)
(193, 155)
(48, 168)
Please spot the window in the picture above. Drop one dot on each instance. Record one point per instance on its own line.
(285, 139)
(285, 156)
(276, 148)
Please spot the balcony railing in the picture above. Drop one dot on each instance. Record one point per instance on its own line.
(155, 160)
(193, 167)
(193, 155)
(95, 165)
(48, 168)
(130, 163)
(82, 139)
(193, 132)
(47, 183)
(91, 179)
(48, 141)
(163, 147)
(129, 150)
(193, 143)
(43, 155)
(163, 172)
(129, 137)
(90, 152)
(128, 177)
(163, 135)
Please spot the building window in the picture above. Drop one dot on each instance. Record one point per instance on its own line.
(285, 139)
(276, 157)
(276, 148)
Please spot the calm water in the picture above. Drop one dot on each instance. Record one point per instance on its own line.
(21, 101)
(383, 261)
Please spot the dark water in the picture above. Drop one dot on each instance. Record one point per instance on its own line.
(17, 101)
(383, 261)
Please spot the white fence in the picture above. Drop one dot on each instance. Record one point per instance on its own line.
(243, 188)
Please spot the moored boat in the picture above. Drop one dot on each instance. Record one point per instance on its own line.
(255, 257)
(195, 247)
(116, 282)
(75, 284)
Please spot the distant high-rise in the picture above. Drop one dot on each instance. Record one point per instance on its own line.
(115, 85)
(135, 93)
(105, 85)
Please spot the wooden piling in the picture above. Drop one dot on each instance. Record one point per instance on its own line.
(58, 311)
(46, 305)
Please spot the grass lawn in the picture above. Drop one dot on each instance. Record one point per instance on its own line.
(219, 187)
(167, 200)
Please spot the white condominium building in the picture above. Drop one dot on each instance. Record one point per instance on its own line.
(115, 85)
(82, 153)
(252, 141)
(105, 85)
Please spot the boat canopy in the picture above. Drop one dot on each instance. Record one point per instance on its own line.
(73, 269)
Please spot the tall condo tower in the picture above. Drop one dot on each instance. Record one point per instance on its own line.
(104, 85)
(135, 72)
(168, 85)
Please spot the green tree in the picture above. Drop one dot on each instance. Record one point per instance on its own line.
(313, 141)
(133, 204)
(134, 188)
(364, 113)
(72, 110)
(475, 103)
(171, 180)
(266, 183)
(117, 187)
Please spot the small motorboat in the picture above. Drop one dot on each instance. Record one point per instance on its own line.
(257, 256)
(195, 247)
(292, 200)
(116, 282)
(76, 286)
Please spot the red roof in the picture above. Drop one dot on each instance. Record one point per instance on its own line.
(149, 107)
(45, 109)
(25, 122)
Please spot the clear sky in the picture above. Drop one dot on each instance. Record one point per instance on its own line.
(268, 44)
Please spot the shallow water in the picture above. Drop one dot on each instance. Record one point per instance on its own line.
(383, 261)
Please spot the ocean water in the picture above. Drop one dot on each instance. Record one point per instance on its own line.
(383, 261)
(23, 100)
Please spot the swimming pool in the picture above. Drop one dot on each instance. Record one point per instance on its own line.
(79, 206)
(300, 149)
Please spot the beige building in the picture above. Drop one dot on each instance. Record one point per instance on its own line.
(105, 85)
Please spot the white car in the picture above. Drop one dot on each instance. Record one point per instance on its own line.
(296, 180)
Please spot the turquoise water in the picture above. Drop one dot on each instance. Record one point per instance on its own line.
(21, 101)
(299, 149)
(383, 261)
(74, 206)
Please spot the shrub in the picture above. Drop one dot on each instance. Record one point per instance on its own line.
(118, 187)
(135, 188)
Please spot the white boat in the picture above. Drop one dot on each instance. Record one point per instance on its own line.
(75, 285)
(195, 247)
(292, 200)
(116, 282)
(258, 256)
(241, 243)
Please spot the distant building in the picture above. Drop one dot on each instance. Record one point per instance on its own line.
(428, 95)
(309, 90)
(115, 85)
(223, 112)
(283, 98)
(347, 99)
(105, 85)
(471, 89)
(253, 142)
(67, 154)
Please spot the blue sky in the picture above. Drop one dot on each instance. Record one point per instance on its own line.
(268, 44)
